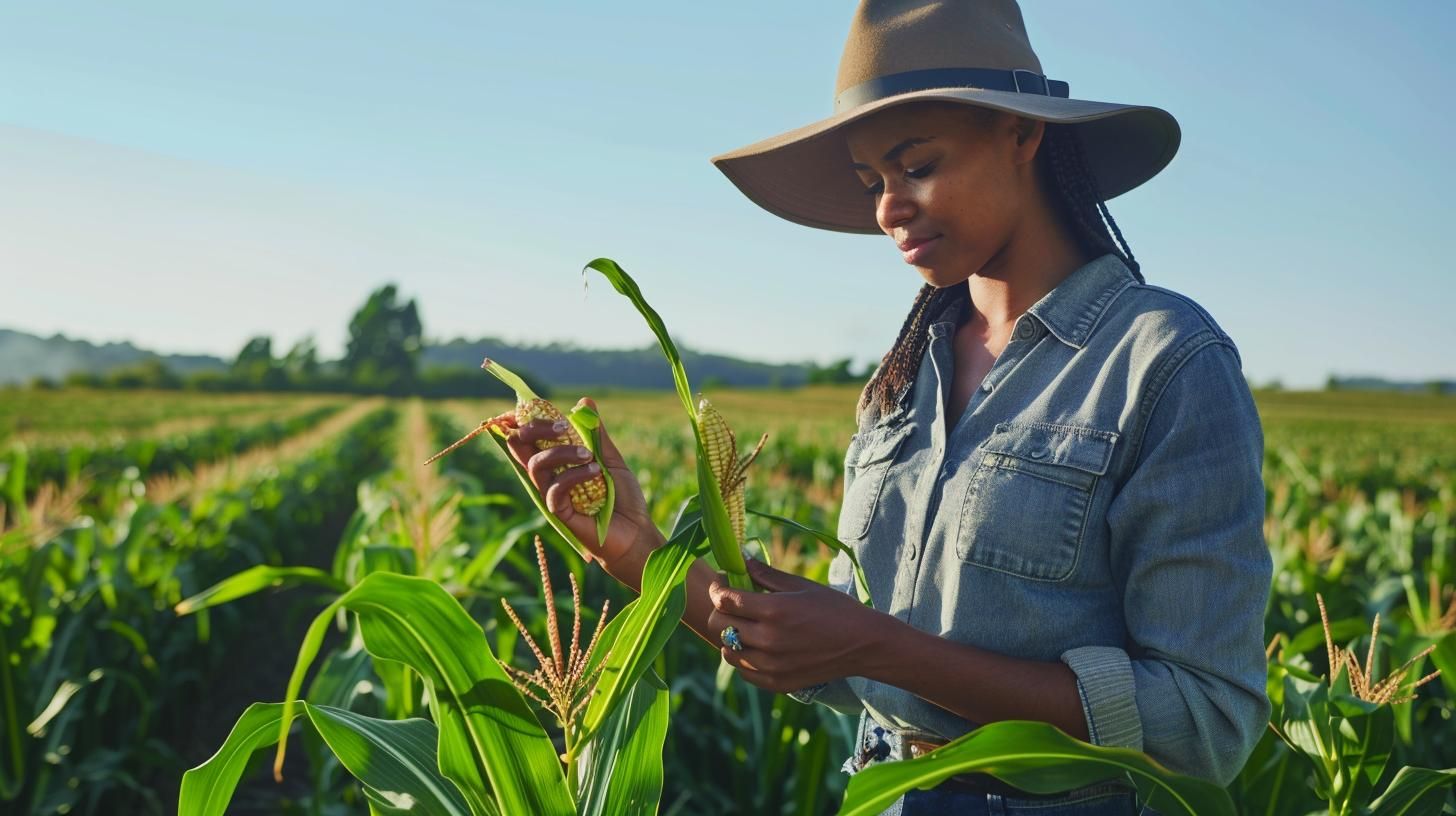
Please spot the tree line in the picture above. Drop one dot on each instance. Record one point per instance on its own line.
(381, 356)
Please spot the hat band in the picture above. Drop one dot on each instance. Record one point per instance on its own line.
(1018, 80)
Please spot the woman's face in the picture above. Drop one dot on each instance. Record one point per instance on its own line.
(953, 174)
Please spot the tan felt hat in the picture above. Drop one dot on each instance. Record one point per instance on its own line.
(973, 52)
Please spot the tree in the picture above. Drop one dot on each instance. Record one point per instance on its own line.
(836, 372)
(255, 367)
(384, 343)
(302, 360)
(255, 351)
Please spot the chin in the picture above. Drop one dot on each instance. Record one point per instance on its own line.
(941, 278)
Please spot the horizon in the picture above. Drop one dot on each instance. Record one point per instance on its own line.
(166, 187)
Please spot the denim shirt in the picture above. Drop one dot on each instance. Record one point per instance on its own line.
(1100, 503)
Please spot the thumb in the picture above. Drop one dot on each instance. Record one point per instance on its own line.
(775, 579)
(611, 457)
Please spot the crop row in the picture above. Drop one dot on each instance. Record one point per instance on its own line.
(98, 666)
(93, 467)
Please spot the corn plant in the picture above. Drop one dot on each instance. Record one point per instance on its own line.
(720, 486)
(1344, 727)
(490, 749)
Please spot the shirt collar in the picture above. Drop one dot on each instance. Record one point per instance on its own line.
(1072, 310)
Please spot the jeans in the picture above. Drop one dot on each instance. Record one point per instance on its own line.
(883, 745)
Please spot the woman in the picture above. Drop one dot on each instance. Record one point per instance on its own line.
(1055, 488)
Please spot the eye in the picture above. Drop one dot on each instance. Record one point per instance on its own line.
(922, 172)
(918, 173)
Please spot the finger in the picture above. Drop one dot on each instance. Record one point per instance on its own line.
(748, 660)
(521, 449)
(739, 603)
(747, 629)
(558, 495)
(544, 430)
(543, 464)
(775, 579)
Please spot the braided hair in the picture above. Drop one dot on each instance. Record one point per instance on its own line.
(1078, 203)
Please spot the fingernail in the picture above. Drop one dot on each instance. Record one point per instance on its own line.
(559, 425)
(582, 453)
(593, 467)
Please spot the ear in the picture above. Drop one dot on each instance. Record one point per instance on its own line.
(1029, 133)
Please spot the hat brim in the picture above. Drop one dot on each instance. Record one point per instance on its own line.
(804, 175)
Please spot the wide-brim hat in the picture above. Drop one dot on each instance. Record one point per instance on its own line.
(972, 52)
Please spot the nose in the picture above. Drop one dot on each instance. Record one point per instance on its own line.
(893, 209)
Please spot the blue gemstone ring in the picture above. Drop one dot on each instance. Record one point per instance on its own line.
(729, 636)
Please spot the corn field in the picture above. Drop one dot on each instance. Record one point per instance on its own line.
(183, 577)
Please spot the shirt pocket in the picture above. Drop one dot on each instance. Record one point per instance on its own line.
(866, 463)
(1025, 509)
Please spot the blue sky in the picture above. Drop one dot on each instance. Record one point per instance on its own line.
(187, 175)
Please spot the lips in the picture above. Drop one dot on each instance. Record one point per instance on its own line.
(910, 243)
(919, 249)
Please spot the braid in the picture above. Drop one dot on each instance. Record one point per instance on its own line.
(1073, 192)
(902, 361)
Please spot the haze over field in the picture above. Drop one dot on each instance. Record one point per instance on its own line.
(186, 177)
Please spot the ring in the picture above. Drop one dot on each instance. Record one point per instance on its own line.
(729, 636)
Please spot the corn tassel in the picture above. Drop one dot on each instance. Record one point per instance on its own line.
(587, 497)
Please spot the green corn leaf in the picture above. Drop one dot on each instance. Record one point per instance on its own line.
(1363, 734)
(1415, 792)
(1039, 758)
(13, 777)
(256, 579)
(499, 438)
(337, 682)
(861, 585)
(394, 759)
(624, 284)
(491, 745)
(589, 425)
(634, 637)
(1313, 636)
(622, 766)
(207, 789)
(1307, 728)
(715, 516)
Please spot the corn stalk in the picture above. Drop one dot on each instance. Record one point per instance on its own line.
(716, 523)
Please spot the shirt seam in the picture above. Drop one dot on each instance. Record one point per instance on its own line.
(1168, 372)
(1203, 314)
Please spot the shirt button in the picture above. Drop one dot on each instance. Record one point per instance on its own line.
(985, 386)
(1026, 331)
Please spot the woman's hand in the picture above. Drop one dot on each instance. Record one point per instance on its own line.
(798, 634)
(631, 525)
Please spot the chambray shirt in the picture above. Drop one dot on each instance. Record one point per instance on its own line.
(1100, 502)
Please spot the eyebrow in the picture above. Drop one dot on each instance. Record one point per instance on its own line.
(895, 151)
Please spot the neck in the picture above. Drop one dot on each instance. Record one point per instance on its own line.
(1039, 255)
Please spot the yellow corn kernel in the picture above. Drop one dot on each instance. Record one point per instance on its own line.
(587, 497)
(722, 448)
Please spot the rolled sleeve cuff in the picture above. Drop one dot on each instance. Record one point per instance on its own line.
(1109, 695)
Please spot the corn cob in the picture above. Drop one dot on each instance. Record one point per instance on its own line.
(730, 472)
(587, 497)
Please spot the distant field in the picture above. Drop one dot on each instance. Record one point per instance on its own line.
(118, 505)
